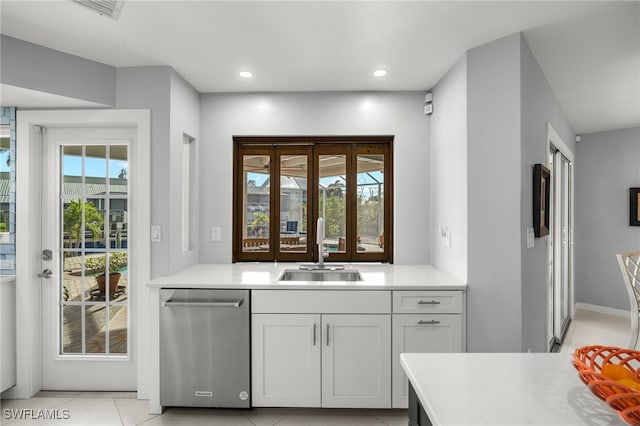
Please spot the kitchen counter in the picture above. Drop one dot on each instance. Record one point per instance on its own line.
(265, 276)
(504, 389)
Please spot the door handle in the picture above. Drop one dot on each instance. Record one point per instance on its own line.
(47, 273)
(421, 322)
(432, 302)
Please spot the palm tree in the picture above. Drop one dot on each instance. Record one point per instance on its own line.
(93, 218)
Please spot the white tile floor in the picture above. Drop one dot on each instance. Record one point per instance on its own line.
(110, 409)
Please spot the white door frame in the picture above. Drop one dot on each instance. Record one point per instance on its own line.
(28, 230)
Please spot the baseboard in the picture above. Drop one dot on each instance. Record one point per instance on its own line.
(602, 309)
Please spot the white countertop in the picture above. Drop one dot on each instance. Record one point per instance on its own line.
(265, 276)
(504, 389)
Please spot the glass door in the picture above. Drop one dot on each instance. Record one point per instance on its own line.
(86, 287)
(561, 247)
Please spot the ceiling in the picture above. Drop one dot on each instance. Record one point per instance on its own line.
(589, 51)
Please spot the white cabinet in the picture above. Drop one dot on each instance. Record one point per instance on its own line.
(438, 327)
(325, 348)
(319, 359)
(285, 364)
(356, 361)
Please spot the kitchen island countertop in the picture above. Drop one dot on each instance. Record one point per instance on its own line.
(504, 389)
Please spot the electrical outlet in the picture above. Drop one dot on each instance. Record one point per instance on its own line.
(216, 234)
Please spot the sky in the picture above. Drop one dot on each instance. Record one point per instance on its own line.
(95, 167)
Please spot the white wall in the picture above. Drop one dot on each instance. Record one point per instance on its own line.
(326, 113)
(149, 87)
(608, 164)
(493, 170)
(185, 119)
(539, 107)
(448, 168)
(36, 67)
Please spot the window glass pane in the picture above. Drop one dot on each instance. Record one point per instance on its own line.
(72, 277)
(95, 328)
(72, 212)
(72, 171)
(293, 203)
(370, 202)
(94, 210)
(255, 227)
(118, 170)
(118, 223)
(5, 181)
(118, 330)
(332, 201)
(95, 170)
(71, 329)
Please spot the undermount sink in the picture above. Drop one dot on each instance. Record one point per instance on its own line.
(320, 275)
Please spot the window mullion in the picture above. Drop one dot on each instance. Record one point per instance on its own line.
(274, 214)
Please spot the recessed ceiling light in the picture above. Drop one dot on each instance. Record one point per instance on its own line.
(245, 74)
(380, 73)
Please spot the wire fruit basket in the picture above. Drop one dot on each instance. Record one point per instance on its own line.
(617, 393)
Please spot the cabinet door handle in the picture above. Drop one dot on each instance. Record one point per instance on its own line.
(314, 333)
(327, 334)
(428, 302)
(428, 322)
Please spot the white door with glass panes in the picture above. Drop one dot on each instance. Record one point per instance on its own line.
(85, 259)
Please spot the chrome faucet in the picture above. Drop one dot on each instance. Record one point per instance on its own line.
(320, 238)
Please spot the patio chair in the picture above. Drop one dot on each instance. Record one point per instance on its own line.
(292, 227)
(630, 268)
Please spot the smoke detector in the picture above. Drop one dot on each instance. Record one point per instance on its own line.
(110, 8)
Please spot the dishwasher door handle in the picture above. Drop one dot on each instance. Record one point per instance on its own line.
(233, 304)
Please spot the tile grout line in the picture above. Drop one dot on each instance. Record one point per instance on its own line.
(118, 411)
(286, 417)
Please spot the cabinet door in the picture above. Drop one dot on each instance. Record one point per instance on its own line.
(356, 363)
(421, 333)
(285, 360)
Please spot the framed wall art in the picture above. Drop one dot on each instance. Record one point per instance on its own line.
(634, 206)
(541, 194)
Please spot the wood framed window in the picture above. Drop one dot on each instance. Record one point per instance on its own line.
(282, 185)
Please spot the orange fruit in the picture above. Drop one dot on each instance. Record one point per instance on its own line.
(617, 372)
(633, 384)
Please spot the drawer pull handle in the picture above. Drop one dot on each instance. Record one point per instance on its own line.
(428, 302)
(428, 322)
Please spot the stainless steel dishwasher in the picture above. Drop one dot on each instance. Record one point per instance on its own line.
(204, 348)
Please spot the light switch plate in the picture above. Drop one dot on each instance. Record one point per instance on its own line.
(445, 236)
(530, 238)
(216, 234)
(156, 233)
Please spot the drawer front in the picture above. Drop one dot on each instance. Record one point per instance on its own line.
(320, 301)
(424, 302)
